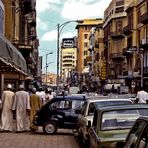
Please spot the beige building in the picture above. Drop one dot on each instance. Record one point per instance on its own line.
(83, 43)
(51, 79)
(68, 58)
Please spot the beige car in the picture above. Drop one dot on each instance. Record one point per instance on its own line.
(111, 124)
(87, 113)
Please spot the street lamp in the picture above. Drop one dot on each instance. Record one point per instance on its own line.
(47, 64)
(59, 30)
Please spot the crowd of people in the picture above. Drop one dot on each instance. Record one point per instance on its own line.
(21, 106)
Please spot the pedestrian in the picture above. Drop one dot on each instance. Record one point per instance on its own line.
(7, 114)
(142, 96)
(35, 105)
(49, 95)
(21, 105)
(41, 93)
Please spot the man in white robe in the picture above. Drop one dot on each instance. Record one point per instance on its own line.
(22, 107)
(142, 96)
(7, 114)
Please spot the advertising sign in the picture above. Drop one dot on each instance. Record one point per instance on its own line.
(68, 43)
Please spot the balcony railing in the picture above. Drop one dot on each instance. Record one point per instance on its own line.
(115, 35)
(127, 29)
(144, 18)
(129, 51)
(118, 55)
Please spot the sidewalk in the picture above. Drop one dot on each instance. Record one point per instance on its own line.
(63, 139)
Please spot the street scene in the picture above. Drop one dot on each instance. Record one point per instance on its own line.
(74, 73)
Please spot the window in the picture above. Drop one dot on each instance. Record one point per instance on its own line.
(1, 20)
(85, 44)
(119, 26)
(85, 36)
(85, 27)
(139, 15)
(143, 139)
(135, 133)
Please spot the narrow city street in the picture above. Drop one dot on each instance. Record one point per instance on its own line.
(63, 139)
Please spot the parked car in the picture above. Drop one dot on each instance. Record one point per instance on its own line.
(87, 113)
(111, 124)
(138, 135)
(59, 113)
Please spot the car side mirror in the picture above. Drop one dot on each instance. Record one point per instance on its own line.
(120, 144)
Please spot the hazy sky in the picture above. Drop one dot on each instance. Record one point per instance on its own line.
(53, 12)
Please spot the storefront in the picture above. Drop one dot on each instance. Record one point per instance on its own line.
(13, 67)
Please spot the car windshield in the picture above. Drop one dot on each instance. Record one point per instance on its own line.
(121, 119)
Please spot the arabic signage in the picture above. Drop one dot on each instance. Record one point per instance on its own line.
(68, 43)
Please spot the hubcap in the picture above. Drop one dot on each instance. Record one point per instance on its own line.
(50, 128)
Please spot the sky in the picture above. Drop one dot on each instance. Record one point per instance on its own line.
(50, 13)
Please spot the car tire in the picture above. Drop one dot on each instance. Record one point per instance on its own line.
(50, 128)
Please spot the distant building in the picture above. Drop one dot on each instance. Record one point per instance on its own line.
(68, 58)
(51, 79)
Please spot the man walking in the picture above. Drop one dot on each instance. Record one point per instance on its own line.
(35, 104)
(7, 114)
(21, 105)
(142, 96)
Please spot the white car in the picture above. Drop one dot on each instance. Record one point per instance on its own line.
(87, 113)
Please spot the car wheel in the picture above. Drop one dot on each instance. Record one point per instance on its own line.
(50, 127)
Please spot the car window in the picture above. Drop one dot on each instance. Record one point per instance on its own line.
(94, 124)
(77, 104)
(83, 108)
(120, 119)
(143, 142)
(91, 109)
(60, 105)
(134, 134)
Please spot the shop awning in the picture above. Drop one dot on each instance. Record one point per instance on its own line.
(11, 56)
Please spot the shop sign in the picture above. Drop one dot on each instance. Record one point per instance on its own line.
(68, 43)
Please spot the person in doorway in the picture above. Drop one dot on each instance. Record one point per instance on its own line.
(142, 96)
(21, 105)
(7, 114)
(35, 105)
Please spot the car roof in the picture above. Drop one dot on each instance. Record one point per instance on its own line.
(127, 106)
(107, 99)
(70, 97)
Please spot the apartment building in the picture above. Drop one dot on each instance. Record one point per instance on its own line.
(20, 30)
(68, 58)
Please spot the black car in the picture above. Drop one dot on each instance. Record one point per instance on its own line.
(60, 112)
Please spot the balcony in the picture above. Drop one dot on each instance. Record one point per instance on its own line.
(144, 42)
(144, 18)
(31, 20)
(26, 6)
(116, 35)
(145, 70)
(129, 51)
(127, 30)
(23, 44)
(118, 55)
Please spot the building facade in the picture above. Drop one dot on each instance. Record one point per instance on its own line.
(68, 59)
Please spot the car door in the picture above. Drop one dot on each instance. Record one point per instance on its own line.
(135, 134)
(143, 139)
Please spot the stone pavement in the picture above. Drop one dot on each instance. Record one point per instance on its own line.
(63, 139)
